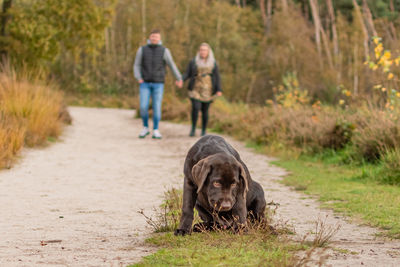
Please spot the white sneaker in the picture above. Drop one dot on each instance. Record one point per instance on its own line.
(144, 132)
(157, 134)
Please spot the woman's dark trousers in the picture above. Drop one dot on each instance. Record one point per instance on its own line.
(196, 107)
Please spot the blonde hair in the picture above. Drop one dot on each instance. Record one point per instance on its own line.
(210, 60)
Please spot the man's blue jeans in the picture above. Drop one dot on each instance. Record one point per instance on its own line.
(155, 90)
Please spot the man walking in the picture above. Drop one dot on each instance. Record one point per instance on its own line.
(149, 70)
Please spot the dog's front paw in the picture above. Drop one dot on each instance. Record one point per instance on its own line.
(181, 232)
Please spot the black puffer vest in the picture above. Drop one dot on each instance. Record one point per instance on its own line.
(153, 65)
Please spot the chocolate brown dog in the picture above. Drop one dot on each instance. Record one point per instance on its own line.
(218, 184)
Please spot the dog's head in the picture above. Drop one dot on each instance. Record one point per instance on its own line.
(222, 178)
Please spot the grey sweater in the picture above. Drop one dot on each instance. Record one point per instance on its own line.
(167, 58)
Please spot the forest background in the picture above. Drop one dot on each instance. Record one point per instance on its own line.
(89, 46)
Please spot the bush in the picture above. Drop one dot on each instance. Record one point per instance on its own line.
(377, 132)
(391, 167)
(310, 129)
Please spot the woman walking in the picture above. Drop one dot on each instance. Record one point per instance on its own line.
(204, 85)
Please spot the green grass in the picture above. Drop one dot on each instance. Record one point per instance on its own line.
(349, 189)
(260, 245)
(222, 249)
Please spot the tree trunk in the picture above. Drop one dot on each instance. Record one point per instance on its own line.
(251, 86)
(187, 26)
(107, 45)
(319, 31)
(355, 73)
(218, 34)
(284, 6)
(266, 14)
(363, 27)
(325, 41)
(334, 30)
(238, 3)
(128, 40)
(269, 13)
(144, 30)
(314, 11)
(113, 42)
(4, 16)
(263, 14)
(335, 40)
(391, 24)
(368, 18)
(4, 19)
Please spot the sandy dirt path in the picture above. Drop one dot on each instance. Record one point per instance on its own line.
(84, 193)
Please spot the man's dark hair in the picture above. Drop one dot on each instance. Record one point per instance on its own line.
(155, 31)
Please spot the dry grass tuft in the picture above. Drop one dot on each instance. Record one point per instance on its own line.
(12, 134)
(30, 112)
(324, 232)
(166, 217)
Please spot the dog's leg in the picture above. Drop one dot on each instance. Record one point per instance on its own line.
(203, 213)
(189, 200)
(256, 207)
(239, 213)
(207, 223)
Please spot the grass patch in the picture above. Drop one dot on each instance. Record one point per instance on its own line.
(221, 248)
(260, 245)
(348, 189)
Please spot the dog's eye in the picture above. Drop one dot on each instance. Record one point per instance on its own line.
(216, 184)
(233, 185)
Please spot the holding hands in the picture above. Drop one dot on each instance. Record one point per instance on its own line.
(179, 83)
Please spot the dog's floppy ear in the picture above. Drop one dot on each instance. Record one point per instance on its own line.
(200, 172)
(244, 180)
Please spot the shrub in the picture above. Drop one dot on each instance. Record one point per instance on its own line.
(310, 129)
(376, 133)
(391, 167)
